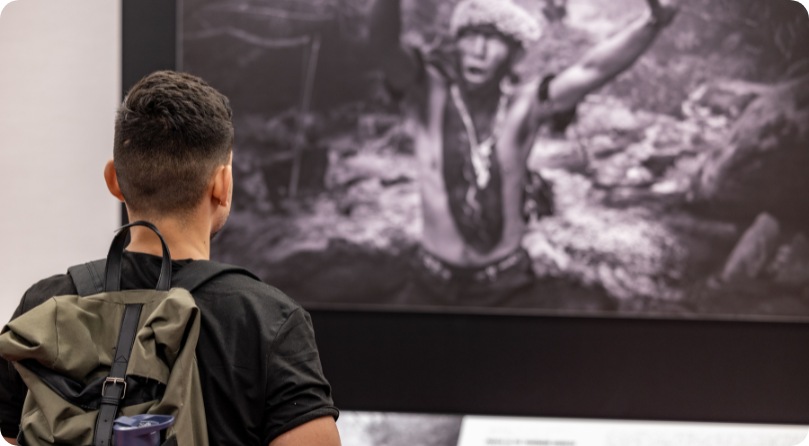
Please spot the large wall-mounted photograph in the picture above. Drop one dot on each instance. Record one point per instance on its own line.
(580, 157)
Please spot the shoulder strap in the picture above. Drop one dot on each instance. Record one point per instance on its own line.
(88, 277)
(114, 388)
(199, 272)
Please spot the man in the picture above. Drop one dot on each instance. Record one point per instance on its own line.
(262, 382)
(474, 121)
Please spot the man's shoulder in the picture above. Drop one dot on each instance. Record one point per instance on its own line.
(56, 285)
(241, 287)
(234, 277)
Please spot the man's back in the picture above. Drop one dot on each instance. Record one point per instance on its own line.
(257, 357)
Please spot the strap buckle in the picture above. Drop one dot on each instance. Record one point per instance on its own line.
(113, 380)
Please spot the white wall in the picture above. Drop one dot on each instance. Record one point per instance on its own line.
(59, 88)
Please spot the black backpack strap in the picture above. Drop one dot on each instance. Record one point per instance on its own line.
(112, 270)
(199, 272)
(88, 277)
(105, 275)
(114, 387)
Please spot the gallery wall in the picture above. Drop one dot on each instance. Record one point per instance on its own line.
(60, 86)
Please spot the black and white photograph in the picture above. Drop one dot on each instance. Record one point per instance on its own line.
(364, 428)
(642, 158)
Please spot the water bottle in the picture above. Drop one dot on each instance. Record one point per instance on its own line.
(140, 430)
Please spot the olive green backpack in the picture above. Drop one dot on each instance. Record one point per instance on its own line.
(104, 353)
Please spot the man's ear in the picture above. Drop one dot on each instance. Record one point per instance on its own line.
(111, 177)
(222, 184)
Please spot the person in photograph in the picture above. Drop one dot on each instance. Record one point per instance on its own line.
(473, 121)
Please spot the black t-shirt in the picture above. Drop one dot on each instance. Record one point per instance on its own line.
(258, 361)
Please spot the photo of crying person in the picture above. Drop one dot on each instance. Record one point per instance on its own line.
(583, 156)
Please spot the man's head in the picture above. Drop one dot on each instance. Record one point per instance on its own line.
(172, 133)
(489, 35)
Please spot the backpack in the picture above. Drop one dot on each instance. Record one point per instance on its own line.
(104, 353)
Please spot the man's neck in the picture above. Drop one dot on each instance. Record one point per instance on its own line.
(482, 104)
(185, 240)
(483, 101)
(481, 95)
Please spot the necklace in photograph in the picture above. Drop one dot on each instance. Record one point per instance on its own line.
(481, 151)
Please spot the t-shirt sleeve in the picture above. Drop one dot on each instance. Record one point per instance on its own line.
(297, 392)
(12, 387)
(12, 396)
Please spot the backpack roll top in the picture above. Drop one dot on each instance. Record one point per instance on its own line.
(89, 359)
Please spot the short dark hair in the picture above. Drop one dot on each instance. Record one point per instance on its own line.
(171, 132)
